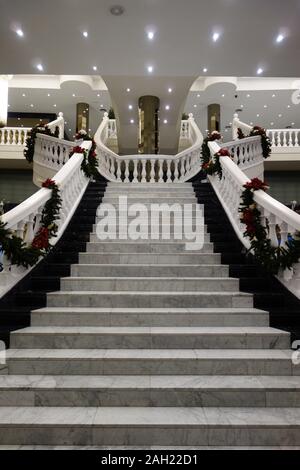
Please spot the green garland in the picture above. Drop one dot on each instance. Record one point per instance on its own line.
(30, 141)
(16, 250)
(89, 163)
(265, 140)
(272, 258)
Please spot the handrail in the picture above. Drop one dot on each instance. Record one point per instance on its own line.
(24, 220)
(237, 124)
(149, 168)
(229, 189)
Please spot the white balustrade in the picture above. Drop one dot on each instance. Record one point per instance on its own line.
(185, 130)
(14, 135)
(245, 152)
(237, 124)
(25, 219)
(284, 138)
(275, 214)
(51, 153)
(149, 168)
(60, 123)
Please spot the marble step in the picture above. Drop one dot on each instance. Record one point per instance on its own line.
(151, 247)
(142, 199)
(94, 239)
(151, 362)
(150, 258)
(150, 426)
(149, 391)
(170, 193)
(89, 316)
(138, 299)
(149, 186)
(149, 284)
(86, 337)
(200, 228)
(180, 270)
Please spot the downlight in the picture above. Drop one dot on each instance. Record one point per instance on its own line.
(117, 10)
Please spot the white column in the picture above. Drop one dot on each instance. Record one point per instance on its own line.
(4, 99)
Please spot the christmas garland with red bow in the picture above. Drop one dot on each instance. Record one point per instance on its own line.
(30, 141)
(272, 258)
(16, 250)
(89, 163)
(265, 140)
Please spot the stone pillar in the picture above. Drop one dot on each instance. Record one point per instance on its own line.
(4, 99)
(82, 117)
(148, 125)
(213, 117)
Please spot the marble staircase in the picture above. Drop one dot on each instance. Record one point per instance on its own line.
(147, 344)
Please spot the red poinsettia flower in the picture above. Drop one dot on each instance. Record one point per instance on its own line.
(93, 154)
(256, 184)
(78, 149)
(223, 153)
(247, 216)
(41, 240)
(257, 130)
(250, 229)
(215, 135)
(48, 183)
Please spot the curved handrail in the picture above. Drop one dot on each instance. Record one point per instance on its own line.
(237, 124)
(149, 168)
(229, 189)
(25, 219)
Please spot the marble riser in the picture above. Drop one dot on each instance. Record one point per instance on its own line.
(188, 257)
(123, 247)
(69, 317)
(152, 199)
(148, 338)
(149, 391)
(148, 299)
(151, 362)
(149, 284)
(94, 239)
(160, 191)
(128, 270)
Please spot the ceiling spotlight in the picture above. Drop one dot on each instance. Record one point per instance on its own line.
(241, 106)
(117, 10)
(85, 34)
(70, 130)
(48, 94)
(130, 106)
(280, 38)
(31, 105)
(248, 96)
(20, 33)
(279, 115)
(293, 123)
(150, 35)
(131, 121)
(165, 121)
(73, 95)
(198, 96)
(167, 107)
(40, 67)
(19, 119)
(205, 70)
(94, 68)
(170, 90)
(23, 94)
(251, 123)
(215, 37)
(150, 69)
(265, 106)
(288, 105)
(223, 96)
(128, 90)
(257, 115)
(195, 106)
(259, 71)
(273, 96)
(272, 123)
(54, 105)
(98, 94)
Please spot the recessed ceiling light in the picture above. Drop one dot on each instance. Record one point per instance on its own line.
(73, 95)
(257, 115)
(94, 68)
(40, 67)
(280, 38)
(70, 130)
(23, 94)
(150, 69)
(279, 115)
(117, 10)
(215, 37)
(85, 34)
(20, 33)
(288, 105)
(167, 107)
(19, 119)
(128, 90)
(293, 123)
(205, 70)
(165, 121)
(195, 106)
(131, 121)
(8, 105)
(66, 122)
(273, 96)
(259, 71)
(150, 35)
(98, 94)
(54, 105)
(170, 90)
(130, 106)
(248, 96)
(241, 106)
(223, 95)
(31, 105)
(48, 94)
(198, 96)
(265, 106)
(251, 123)
(102, 105)
(272, 123)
